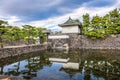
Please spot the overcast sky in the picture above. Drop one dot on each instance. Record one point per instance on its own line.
(50, 13)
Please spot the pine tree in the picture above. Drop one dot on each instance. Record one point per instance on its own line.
(115, 20)
(2, 31)
(86, 23)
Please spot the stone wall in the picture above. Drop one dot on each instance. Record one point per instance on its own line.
(111, 42)
(58, 41)
(13, 51)
(80, 41)
(18, 42)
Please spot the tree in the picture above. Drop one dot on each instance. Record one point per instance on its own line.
(101, 27)
(40, 34)
(105, 21)
(95, 29)
(115, 20)
(96, 22)
(9, 36)
(2, 31)
(17, 33)
(13, 34)
(86, 22)
(30, 32)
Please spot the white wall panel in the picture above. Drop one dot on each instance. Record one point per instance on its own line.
(70, 29)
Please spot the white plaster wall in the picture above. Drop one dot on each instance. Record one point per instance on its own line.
(58, 36)
(70, 29)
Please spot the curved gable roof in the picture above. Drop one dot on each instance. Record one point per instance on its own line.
(70, 22)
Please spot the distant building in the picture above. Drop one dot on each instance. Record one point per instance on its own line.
(71, 26)
(69, 38)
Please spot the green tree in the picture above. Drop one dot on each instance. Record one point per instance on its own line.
(86, 22)
(9, 36)
(16, 31)
(2, 31)
(96, 22)
(30, 32)
(40, 34)
(105, 21)
(95, 29)
(13, 33)
(101, 27)
(115, 20)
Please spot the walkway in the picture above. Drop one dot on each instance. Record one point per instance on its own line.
(9, 78)
(20, 46)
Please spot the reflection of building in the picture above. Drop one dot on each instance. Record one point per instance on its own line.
(70, 35)
(93, 64)
(67, 60)
(65, 63)
(58, 60)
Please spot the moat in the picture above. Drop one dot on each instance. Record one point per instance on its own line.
(81, 65)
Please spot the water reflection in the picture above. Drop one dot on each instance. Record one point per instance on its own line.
(82, 65)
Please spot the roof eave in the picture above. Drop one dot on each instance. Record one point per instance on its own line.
(63, 25)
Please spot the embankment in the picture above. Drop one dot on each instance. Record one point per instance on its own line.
(18, 50)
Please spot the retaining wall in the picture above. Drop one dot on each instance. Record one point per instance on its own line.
(13, 51)
(81, 41)
(111, 42)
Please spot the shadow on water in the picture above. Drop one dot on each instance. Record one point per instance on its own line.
(81, 65)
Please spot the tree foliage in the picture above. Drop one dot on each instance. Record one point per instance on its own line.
(2, 31)
(86, 22)
(14, 33)
(95, 27)
(101, 27)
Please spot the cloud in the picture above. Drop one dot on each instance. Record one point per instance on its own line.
(52, 13)
(12, 20)
(52, 23)
(29, 4)
(27, 9)
(99, 3)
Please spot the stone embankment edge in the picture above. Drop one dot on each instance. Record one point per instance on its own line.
(19, 50)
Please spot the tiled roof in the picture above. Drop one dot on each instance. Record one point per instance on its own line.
(70, 22)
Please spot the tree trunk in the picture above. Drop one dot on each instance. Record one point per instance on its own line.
(1, 42)
(28, 38)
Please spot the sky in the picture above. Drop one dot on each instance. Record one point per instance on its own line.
(50, 13)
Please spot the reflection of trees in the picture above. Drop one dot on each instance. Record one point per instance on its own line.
(14, 70)
(101, 64)
(102, 69)
(1, 69)
(72, 55)
(34, 65)
(92, 62)
(87, 74)
(30, 69)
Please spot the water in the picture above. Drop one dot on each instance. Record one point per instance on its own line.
(82, 65)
